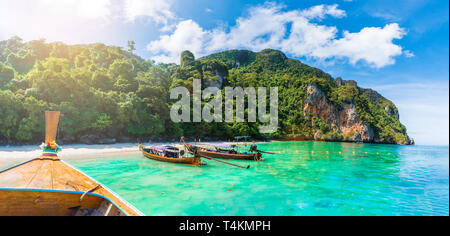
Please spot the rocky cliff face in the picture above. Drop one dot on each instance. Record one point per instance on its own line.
(343, 121)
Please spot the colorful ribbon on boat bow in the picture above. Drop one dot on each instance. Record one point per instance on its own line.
(50, 147)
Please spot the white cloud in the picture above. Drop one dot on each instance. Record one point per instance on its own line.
(320, 11)
(409, 53)
(81, 8)
(299, 33)
(78, 21)
(294, 32)
(372, 44)
(187, 34)
(52, 19)
(157, 10)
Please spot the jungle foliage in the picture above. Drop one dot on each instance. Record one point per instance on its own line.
(110, 92)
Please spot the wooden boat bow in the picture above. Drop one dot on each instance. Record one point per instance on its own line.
(46, 177)
(49, 186)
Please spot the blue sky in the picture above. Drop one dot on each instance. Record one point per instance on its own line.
(399, 48)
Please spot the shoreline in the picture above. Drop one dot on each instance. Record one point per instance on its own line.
(73, 150)
(67, 150)
(166, 141)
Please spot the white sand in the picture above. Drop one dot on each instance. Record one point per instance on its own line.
(67, 150)
(13, 155)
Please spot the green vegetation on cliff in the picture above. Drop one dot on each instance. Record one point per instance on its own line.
(271, 68)
(107, 91)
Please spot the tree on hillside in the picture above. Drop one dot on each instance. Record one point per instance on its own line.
(131, 46)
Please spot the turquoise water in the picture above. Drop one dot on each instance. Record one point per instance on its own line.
(307, 178)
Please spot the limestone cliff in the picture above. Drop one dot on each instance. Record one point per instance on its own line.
(343, 119)
(344, 122)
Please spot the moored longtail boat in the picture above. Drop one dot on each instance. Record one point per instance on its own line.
(170, 154)
(47, 186)
(223, 151)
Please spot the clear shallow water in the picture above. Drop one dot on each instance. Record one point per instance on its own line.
(307, 178)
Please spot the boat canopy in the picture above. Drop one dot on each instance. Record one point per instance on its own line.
(222, 145)
(164, 148)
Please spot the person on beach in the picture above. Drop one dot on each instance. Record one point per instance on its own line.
(253, 147)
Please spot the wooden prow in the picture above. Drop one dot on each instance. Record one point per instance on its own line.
(51, 125)
(47, 186)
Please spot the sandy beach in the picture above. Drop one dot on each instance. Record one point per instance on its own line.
(13, 155)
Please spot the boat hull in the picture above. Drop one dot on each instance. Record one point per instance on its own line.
(49, 186)
(192, 161)
(29, 202)
(251, 156)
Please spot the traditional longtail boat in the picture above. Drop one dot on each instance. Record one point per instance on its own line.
(48, 186)
(170, 154)
(223, 151)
